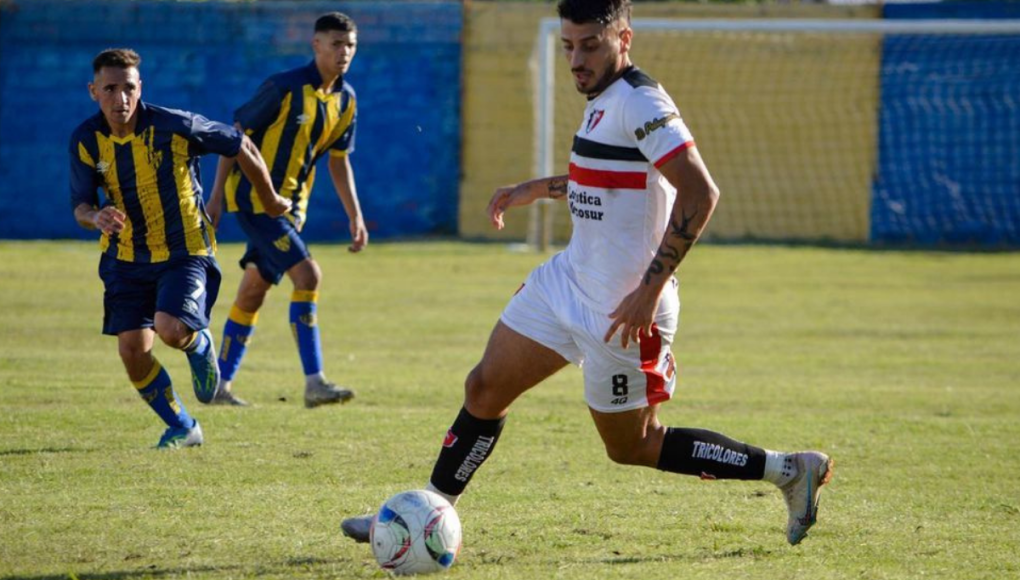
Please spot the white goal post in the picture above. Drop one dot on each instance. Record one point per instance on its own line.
(778, 38)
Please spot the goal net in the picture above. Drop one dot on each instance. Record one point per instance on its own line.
(825, 130)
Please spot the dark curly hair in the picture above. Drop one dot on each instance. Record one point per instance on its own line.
(604, 12)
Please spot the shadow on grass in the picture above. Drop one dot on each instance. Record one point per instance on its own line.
(621, 559)
(154, 571)
(8, 452)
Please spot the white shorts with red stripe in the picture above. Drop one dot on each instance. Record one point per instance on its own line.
(547, 310)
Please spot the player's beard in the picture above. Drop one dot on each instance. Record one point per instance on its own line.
(603, 82)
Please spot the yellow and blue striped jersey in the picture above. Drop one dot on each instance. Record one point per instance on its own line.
(152, 176)
(293, 122)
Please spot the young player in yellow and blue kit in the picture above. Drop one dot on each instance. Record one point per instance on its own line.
(295, 118)
(157, 263)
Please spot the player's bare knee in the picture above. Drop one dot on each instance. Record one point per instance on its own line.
(473, 387)
(479, 398)
(132, 352)
(306, 276)
(173, 332)
(250, 299)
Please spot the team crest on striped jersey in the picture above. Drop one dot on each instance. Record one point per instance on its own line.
(593, 120)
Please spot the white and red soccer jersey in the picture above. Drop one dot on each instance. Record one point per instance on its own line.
(619, 202)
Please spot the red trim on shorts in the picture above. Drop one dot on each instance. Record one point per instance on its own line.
(655, 387)
(608, 179)
(673, 154)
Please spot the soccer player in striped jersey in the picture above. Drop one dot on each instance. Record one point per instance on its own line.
(295, 117)
(640, 196)
(157, 263)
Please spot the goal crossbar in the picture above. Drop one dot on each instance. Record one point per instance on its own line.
(539, 231)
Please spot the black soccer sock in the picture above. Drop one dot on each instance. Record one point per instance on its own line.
(468, 443)
(710, 455)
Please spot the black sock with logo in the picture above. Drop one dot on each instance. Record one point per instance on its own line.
(710, 455)
(468, 443)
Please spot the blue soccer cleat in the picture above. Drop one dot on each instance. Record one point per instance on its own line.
(180, 437)
(205, 372)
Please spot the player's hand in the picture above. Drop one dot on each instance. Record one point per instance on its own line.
(109, 220)
(633, 317)
(503, 199)
(214, 209)
(359, 236)
(277, 207)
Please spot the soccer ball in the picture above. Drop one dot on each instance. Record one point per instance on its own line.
(415, 532)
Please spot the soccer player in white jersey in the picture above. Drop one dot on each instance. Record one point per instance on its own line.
(639, 196)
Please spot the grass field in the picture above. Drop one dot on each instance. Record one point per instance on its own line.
(904, 366)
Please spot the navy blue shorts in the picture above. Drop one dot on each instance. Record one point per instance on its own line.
(274, 245)
(185, 288)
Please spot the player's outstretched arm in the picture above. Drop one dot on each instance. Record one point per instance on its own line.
(108, 220)
(342, 174)
(254, 168)
(524, 194)
(696, 198)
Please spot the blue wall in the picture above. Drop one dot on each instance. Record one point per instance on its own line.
(949, 133)
(209, 57)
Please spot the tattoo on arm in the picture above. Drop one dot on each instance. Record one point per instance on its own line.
(558, 188)
(669, 254)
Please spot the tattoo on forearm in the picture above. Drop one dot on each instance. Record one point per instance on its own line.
(558, 188)
(670, 255)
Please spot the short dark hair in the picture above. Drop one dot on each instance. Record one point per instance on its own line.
(116, 57)
(605, 12)
(335, 21)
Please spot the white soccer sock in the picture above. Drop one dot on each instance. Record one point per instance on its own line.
(450, 498)
(779, 467)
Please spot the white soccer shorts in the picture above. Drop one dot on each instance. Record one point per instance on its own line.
(547, 310)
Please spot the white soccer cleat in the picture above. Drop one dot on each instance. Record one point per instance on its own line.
(358, 528)
(814, 469)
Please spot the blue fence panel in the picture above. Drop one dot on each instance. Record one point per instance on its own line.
(949, 141)
(209, 57)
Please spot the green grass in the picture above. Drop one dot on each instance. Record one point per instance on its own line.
(904, 366)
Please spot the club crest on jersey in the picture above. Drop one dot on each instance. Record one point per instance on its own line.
(103, 166)
(282, 243)
(593, 120)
